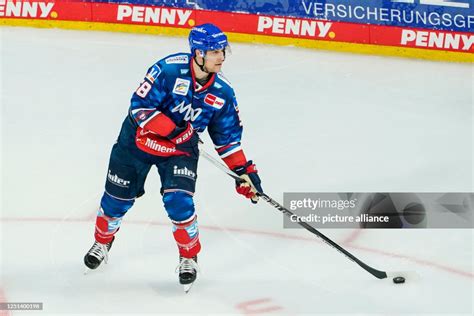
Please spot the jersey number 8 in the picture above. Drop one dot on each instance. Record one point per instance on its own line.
(143, 89)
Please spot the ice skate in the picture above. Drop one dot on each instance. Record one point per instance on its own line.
(188, 269)
(98, 253)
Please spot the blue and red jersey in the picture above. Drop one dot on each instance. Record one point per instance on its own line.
(170, 87)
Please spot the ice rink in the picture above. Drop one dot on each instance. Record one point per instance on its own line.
(314, 121)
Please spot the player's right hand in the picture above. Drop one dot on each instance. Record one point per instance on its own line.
(186, 139)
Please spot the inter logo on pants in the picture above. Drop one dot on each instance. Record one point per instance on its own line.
(117, 180)
(184, 172)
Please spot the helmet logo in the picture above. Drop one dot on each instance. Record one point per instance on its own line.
(207, 37)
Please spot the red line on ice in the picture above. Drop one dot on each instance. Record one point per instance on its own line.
(347, 242)
(352, 237)
(417, 260)
(249, 308)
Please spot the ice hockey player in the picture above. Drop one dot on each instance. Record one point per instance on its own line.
(181, 95)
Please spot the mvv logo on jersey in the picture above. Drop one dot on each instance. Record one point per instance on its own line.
(191, 114)
(184, 172)
(214, 101)
(181, 86)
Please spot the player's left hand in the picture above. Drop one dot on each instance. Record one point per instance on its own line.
(250, 184)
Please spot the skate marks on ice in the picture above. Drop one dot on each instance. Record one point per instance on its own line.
(245, 258)
(141, 265)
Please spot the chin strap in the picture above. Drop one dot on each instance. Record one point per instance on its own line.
(202, 67)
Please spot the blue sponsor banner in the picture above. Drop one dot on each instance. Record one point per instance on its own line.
(452, 15)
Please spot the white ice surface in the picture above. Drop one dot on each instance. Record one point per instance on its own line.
(314, 121)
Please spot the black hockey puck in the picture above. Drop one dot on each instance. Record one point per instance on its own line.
(398, 280)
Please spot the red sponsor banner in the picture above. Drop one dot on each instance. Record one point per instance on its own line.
(46, 10)
(286, 27)
(339, 31)
(143, 15)
(422, 38)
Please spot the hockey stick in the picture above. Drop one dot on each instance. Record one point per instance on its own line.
(377, 273)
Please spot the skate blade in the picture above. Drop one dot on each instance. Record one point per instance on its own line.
(87, 270)
(187, 287)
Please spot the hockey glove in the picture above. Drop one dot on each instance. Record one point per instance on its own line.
(185, 139)
(250, 184)
(162, 137)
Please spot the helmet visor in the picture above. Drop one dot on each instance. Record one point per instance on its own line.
(218, 53)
